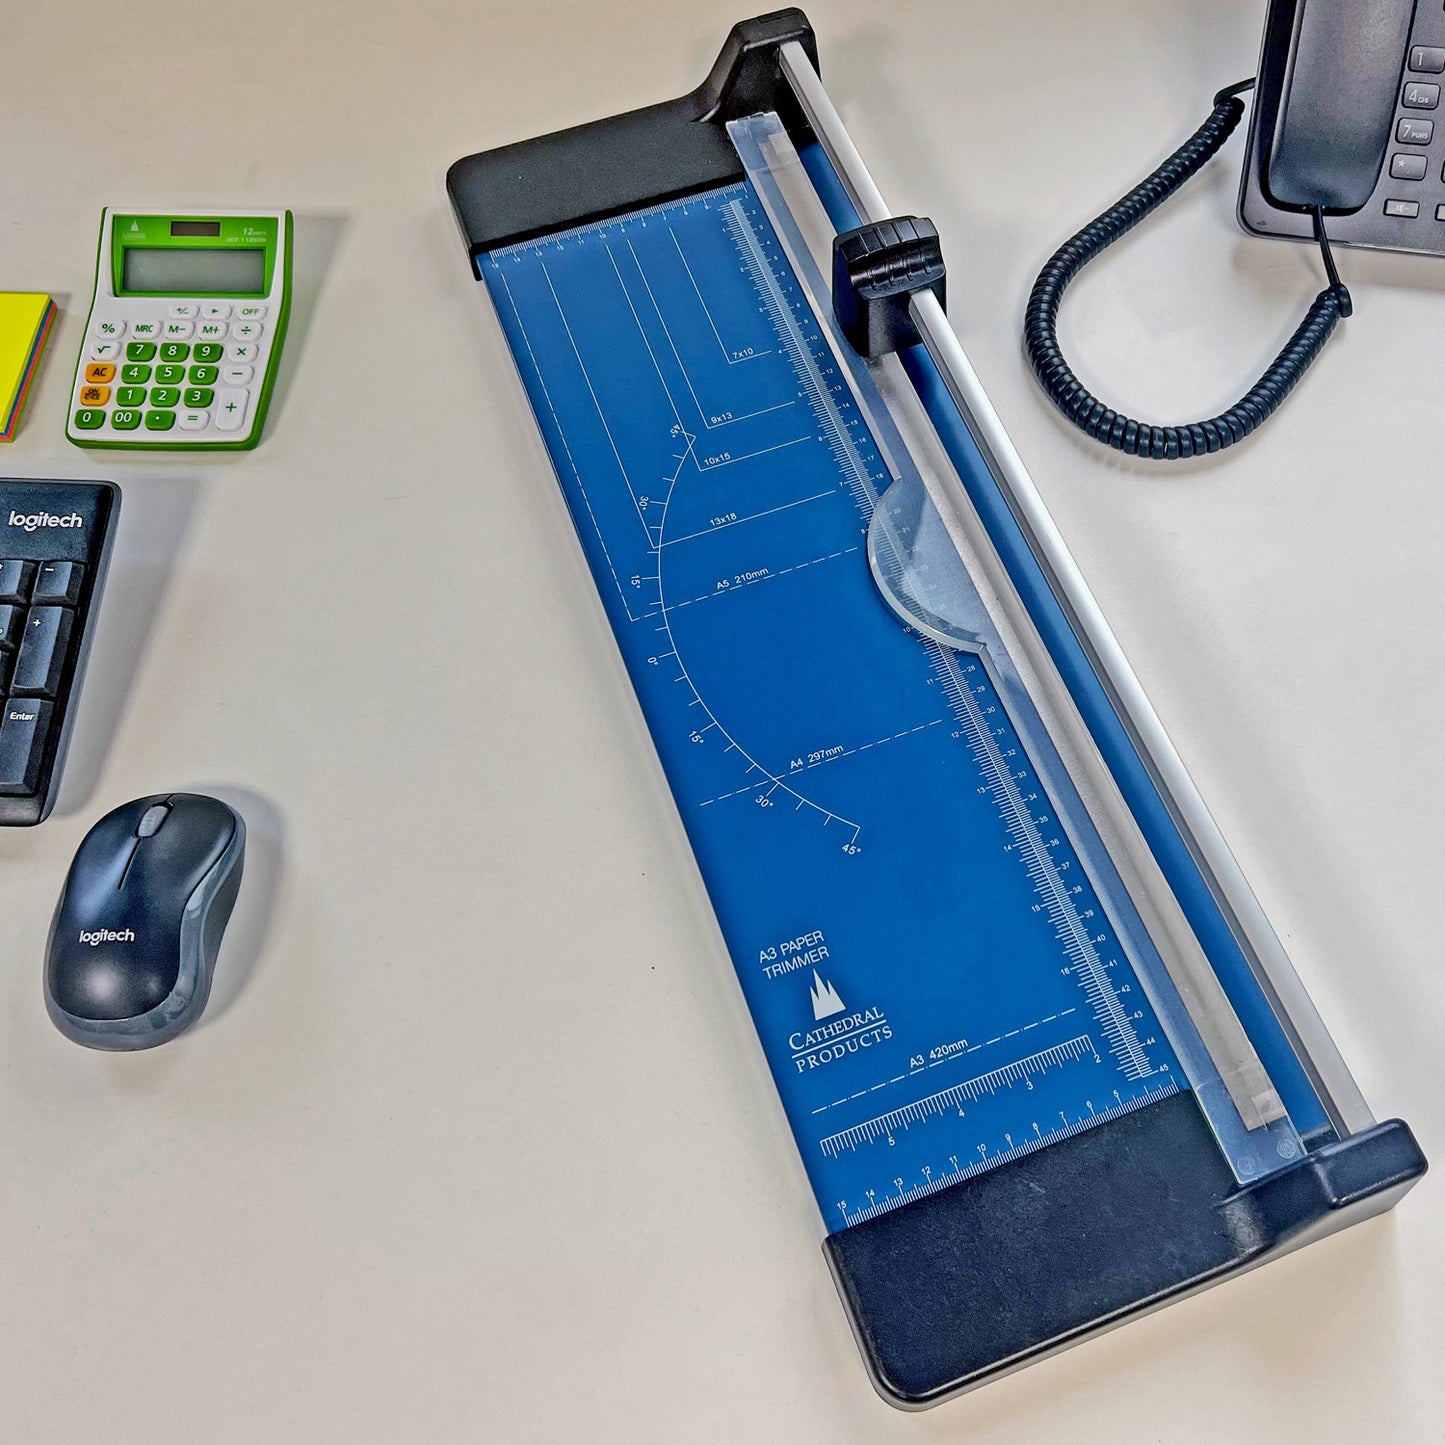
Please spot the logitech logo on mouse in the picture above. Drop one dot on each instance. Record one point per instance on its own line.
(45, 519)
(107, 935)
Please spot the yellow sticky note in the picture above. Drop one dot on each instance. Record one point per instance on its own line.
(25, 318)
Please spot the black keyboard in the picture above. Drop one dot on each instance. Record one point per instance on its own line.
(54, 545)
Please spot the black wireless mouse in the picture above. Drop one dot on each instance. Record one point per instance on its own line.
(135, 935)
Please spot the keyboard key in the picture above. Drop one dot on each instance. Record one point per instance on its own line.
(42, 652)
(160, 420)
(170, 375)
(251, 312)
(1406, 209)
(165, 396)
(195, 420)
(15, 579)
(251, 330)
(1411, 132)
(204, 375)
(105, 351)
(12, 623)
(58, 584)
(174, 351)
(198, 397)
(23, 728)
(140, 350)
(126, 418)
(237, 376)
(184, 311)
(146, 330)
(94, 395)
(131, 396)
(7, 661)
(216, 311)
(1427, 60)
(1407, 168)
(89, 419)
(1421, 96)
(180, 330)
(231, 410)
(110, 328)
(100, 372)
(212, 331)
(208, 352)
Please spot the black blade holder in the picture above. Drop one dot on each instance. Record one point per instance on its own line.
(877, 270)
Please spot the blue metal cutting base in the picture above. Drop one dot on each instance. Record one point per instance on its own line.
(934, 979)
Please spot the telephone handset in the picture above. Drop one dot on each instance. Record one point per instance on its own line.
(1325, 101)
(1342, 147)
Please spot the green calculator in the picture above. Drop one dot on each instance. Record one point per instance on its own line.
(185, 330)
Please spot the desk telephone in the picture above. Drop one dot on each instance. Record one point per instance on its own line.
(1342, 148)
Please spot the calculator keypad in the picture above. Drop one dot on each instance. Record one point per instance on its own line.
(183, 367)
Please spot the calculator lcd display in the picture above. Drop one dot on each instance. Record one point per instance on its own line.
(194, 270)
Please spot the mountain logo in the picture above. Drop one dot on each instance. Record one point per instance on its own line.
(825, 998)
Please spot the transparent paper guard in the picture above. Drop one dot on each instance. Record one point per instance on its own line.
(922, 567)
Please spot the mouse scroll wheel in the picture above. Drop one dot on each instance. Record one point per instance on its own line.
(151, 820)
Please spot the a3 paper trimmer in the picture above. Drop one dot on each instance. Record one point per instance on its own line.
(1045, 1061)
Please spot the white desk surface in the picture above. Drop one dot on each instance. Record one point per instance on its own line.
(475, 1143)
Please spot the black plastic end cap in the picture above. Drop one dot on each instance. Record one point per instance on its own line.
(877, 269)
(747, 78)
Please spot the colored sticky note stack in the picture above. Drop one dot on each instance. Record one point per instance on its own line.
(25, 318)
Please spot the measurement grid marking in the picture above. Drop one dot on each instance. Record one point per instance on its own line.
(949, 1058)
(753, 581)
(769, 777)
(805, 365)
(677, 356)
(1083, 1071)
(592, 391)
(723, 526)
(562, 436)
(1040, 1140)
(823, 762)
(556, 240)
(1043, 872)
(732, 360)
(952, 1099)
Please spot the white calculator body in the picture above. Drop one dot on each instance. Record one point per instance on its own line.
(185, 331)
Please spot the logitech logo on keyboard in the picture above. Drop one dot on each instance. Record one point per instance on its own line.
(107, 935)
(45, 519)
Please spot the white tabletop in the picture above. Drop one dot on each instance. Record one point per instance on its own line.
(475, 1142)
